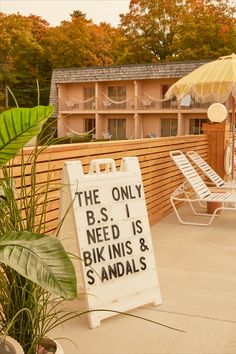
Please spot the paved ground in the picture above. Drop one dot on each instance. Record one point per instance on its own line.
(197, 275)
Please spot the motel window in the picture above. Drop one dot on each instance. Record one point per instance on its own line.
(117, 128)
(89, 124)
(195, 126)
(117, 94)
(89, 97)
(169, 127)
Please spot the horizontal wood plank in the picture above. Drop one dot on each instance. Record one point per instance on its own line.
(160, 176)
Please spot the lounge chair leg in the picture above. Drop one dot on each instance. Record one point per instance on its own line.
(194, 223)
(193, 208)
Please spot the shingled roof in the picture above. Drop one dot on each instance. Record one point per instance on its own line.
(126, 72)
(119, 73)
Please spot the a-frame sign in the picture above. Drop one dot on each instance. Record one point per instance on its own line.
(107, 225)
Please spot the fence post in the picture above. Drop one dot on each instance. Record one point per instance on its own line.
(218, 136)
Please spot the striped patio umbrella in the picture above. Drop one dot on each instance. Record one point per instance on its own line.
(211, 82)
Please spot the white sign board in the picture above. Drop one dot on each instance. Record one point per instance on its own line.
(111, 225)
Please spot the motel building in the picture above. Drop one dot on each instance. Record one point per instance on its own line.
(125, 102)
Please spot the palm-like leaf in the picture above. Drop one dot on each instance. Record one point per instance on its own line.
(42, 259)
(18, 126)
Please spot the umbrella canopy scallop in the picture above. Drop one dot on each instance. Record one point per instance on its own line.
(211, 82)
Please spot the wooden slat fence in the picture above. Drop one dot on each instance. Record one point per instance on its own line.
(160, 176)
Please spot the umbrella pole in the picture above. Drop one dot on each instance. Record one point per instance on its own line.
(233, 139)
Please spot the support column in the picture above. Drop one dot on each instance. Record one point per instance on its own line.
(61, 121)
(100, 126)
(97, 116)
(136, 95)
(180, 123)
(137, 130)
(138, 126)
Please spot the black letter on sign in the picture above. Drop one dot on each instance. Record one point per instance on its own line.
(115, 231)
(127, 210)
(103, 212)
(142, 261)
(91, 280)
(90, 217)
(87, 258)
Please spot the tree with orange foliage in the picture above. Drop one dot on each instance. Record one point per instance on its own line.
(207, 29)
(150, 26)
(179, 29)
(79, 43)
(22, 57)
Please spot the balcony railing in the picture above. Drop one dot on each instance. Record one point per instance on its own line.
(116, 103)
(75, 106)
(123, 103)
(196, 105)
(171, 104)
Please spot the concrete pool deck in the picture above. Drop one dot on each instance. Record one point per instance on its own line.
(197, 274)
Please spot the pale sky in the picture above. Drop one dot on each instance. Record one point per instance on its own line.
(55, 11)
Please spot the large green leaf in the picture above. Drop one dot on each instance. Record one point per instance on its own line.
(42, 259)
(18, 126)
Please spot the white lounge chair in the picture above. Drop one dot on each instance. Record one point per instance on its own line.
(208, 171)
(199, 192)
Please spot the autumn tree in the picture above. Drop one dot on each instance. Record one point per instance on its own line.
(80, 43)
(150, 31)
(150, 27)
(21, 57)
(68, 44)
(207, 30)
(179, 29)
(30, 49)
(109, 44)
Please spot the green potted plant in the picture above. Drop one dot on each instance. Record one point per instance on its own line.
(33, 265)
